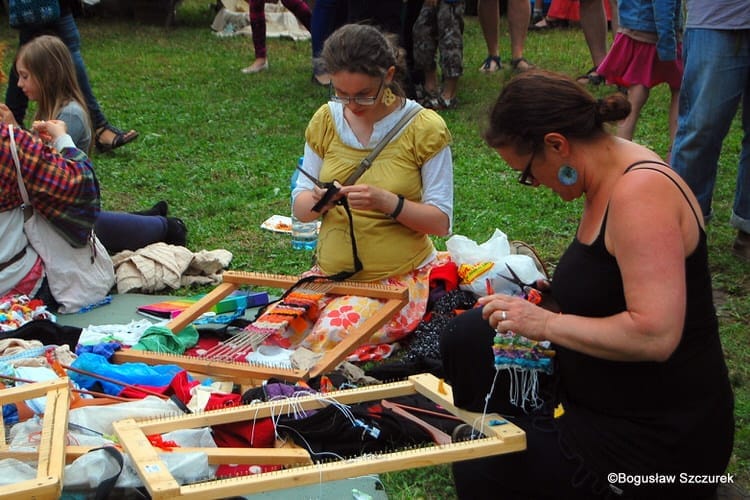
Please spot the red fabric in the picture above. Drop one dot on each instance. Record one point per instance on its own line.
(631, 62)
(217, 401)
(447, 273)
(571, 10)
(179, 385)
(259, 433)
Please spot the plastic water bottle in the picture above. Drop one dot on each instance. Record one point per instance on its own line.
(304, 234)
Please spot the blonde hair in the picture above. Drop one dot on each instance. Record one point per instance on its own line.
(50, 65)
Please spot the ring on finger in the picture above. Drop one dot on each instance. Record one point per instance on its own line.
(504, 315)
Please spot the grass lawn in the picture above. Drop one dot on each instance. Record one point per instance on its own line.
(220, 146)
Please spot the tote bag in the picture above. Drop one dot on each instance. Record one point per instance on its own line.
(77, 277)
(32, 12)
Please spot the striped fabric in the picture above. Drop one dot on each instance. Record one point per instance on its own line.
(62, 186)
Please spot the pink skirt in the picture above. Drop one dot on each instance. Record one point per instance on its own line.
(630, 62)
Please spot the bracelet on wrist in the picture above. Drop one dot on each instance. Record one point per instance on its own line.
(399, 207)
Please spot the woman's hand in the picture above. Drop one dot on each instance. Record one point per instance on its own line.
(367, 197)
(49, 130)
(6, 116)
(505, 312)
(318, 193)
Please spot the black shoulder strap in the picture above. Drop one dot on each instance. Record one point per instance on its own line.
(698, 219)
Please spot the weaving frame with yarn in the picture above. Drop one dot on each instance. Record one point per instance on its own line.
(251, 373)
(500, 436)
(50, 454)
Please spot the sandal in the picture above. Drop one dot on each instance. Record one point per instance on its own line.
(520, 64)
(591, 77)
(439, 102)
(491, 65)
(548, 23)
(120, 138)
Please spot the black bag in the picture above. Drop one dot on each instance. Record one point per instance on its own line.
(32, 12)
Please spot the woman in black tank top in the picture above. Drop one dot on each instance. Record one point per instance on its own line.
(647, 408)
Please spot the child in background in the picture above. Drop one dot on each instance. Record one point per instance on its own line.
(647, 51)
(46, 74)
(440, 25)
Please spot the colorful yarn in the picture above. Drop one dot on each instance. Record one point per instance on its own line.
(523, 359)
(293, 311)
(516, 350)
(17, 310)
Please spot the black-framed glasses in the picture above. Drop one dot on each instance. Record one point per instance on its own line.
(361, 100)
(526, 177)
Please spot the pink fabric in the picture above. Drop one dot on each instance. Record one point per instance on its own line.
(30, 283)
(630, 62)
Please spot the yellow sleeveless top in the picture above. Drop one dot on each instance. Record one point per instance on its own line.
(385, 247)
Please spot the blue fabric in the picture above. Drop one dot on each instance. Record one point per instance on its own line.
(129, 373)
(716, 79)
(663, 18)
(67, 30)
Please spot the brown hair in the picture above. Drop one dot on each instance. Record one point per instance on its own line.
(51, 66)
(361, 48)
(537, 102)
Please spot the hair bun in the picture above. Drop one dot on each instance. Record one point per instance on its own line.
(612, 108)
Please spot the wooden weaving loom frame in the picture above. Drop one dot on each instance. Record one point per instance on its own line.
(50, 455)
(248, 373)
(504, 438)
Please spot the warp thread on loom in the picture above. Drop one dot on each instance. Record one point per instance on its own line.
(291, 312)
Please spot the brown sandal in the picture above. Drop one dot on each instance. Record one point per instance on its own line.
(120, 138)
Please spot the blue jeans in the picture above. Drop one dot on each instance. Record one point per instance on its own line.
(65, 28)
(716, 78)
(327, 15)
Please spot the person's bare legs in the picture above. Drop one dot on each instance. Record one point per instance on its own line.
(431, 81)
(450, 88)
(637, 96)
(519, 12)
(488, 12)
(594, 26)
(539, 11)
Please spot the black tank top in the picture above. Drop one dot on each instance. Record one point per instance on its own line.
(647, 413)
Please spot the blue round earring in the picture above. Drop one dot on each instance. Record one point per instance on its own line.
(567, 175)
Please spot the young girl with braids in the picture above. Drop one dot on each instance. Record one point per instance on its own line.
(405, 196)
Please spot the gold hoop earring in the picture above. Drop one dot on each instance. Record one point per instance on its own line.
(388, 97)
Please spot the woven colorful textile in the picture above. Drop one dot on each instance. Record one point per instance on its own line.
(524, 359)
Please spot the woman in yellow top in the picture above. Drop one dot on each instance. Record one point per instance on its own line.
(405, 196)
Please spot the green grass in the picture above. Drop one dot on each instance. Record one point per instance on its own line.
(220, 146)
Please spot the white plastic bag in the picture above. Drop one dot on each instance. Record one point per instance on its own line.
(486, 268)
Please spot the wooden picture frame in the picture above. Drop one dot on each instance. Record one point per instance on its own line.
(501, 437)
(395, 298)
(50, 456)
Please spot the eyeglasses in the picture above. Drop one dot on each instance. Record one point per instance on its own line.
(526, 177)
(362, 101)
